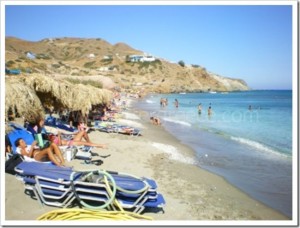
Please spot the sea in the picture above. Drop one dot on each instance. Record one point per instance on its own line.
(247, 139)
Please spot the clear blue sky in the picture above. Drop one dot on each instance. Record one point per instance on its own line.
(253, 43)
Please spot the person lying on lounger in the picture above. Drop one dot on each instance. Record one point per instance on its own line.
(77, 141)
(51, 153)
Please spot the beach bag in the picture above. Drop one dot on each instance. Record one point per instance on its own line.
(42, 143)
(12, 162)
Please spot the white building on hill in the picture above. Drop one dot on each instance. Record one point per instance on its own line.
(141, 58)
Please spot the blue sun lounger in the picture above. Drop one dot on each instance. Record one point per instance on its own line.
(54, 122)
(19, 133)
(116, 128)
(47, 182)
(79, 152)
(61, 187)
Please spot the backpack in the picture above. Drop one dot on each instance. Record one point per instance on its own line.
(12, 162)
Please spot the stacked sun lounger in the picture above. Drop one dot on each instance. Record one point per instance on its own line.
(64, 187)
(116, 128)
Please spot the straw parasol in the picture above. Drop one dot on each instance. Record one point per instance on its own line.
(21, 100)
(63, 94)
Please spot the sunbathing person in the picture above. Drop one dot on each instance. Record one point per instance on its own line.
(51, 153)
(155, 120)
(77, 141)
(82, 127)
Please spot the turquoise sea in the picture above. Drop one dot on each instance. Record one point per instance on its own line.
(250, 148)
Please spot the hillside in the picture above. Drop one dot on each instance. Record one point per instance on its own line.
(96, 59)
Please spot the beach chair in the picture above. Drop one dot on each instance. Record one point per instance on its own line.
(16, 126)
(19, 133)
(147, 203)
(131, 193)
(58, 123)
(77, 152)
(127, 130)
(61, 187)
(103, 127)
(48, 183)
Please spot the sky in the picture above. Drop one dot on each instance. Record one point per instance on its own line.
(249, 42)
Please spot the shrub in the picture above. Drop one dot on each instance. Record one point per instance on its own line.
(89, 64)
(42, 56)
(107, 61)
(181, 63)
(42, 66)
(55, 66)
(10, 63)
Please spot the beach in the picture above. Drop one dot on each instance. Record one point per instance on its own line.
(191, 193)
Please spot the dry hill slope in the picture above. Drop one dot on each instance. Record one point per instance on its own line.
(96, 57)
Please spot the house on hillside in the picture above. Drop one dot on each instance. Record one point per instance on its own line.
(148, 58)
(30, 55)
(135, 58)
(141, 58)
(91, 56)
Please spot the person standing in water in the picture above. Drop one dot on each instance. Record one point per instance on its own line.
(176, 103)
(199, 108)
(209, 111)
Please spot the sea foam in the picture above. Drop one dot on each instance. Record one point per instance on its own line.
(258, 146)
(177, 121)
(173, 153)
(149, 102)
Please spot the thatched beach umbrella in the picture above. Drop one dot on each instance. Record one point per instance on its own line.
(21, 99)
(61, 93)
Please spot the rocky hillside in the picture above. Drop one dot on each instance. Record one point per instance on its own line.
(98, 60)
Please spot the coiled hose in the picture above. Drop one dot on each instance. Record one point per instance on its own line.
(111, 187)
(84, 214)
(108, 202)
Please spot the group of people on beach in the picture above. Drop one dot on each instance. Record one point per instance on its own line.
(52, 152)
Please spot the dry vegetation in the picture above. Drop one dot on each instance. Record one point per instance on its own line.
(92, 57)
(28, 96)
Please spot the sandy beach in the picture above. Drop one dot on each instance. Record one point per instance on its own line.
(191, 193)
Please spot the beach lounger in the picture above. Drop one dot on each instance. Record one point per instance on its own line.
(54, 122)
(16, 126)
(77, 152)
(128, 130)
(19, 133)
(50, 184)
(61, 187)
(103, 127)
(131, 193)
(116, 128)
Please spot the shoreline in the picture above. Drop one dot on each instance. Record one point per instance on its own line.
(216, 182)
(241, 160)
(191, 193)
